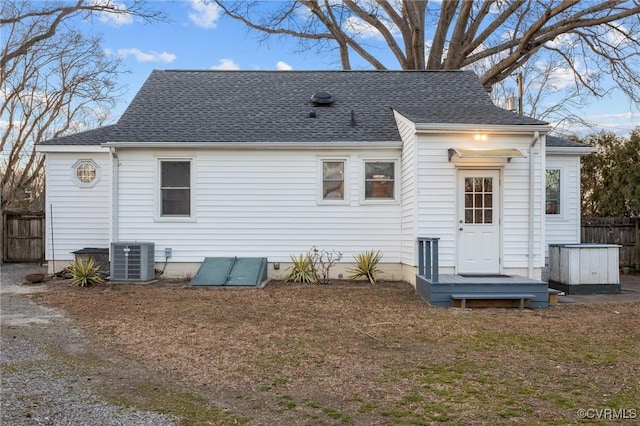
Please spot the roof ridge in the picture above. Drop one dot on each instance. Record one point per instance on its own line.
(206, 70)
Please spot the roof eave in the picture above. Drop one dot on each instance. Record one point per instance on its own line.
(571, 150)
(69, 148)
(336, 145)
(485, 128)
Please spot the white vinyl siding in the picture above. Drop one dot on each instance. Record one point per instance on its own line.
(565, 227)
(436, 195)
(76, 216)
(516, 210)
(256, 203)
(407, 176)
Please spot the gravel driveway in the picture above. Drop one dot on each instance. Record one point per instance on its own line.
(41, 382)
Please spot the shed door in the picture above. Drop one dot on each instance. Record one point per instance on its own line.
(478, 222)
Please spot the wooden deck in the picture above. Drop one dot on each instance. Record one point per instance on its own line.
(439, 293)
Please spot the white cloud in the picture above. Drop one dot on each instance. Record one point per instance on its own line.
(621, 124)
(625, 117)
(365, 30)
(283, 66)
(121, 17)
(226, 64)
(4, 124)
(204, 13)
(141, 56)
(616, 37)
(562, 41)
(358, 26)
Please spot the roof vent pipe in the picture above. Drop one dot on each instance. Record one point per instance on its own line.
(353, 123)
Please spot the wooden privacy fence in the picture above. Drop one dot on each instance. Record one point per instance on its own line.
(624, 231)
(23, 236)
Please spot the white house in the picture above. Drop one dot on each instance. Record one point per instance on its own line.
(268, 164)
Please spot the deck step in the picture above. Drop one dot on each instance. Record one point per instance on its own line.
(522, 297)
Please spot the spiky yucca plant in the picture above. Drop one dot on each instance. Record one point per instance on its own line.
(301, 271)
(366, 266)
(84, 273)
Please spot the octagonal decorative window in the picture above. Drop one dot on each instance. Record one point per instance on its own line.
(86, 173)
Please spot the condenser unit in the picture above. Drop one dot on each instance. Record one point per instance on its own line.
(132, 261)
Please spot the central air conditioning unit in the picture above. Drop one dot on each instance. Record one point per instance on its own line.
(132, 261)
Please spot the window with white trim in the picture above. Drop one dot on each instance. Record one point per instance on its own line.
(86, 173)
(333, 180)
(175, 188)
(552, 206)
(379, 180)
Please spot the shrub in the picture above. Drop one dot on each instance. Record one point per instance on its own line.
(321, 263)
(301, 270)
(84, 274)
(366, 266)
(313, 266)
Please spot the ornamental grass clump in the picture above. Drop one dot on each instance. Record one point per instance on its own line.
(84, 274)
(366, 266)
(301, 270)
(312, 267)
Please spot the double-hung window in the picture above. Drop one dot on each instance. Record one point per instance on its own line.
(333, 180)
(379, 180)
(175, 188)
(553, 205)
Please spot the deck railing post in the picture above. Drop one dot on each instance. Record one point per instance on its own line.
(435, 260)
(420, 256)
(428, 258)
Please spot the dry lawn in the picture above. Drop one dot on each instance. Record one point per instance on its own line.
(359, 354)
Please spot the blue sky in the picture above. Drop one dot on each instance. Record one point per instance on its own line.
(198, 36)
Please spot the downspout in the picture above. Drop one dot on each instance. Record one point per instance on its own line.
(536, 138)
(114, 194)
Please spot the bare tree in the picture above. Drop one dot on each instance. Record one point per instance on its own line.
(590, 38)
(549, 92)
(40, 20)
(61, 85)
(55, 80)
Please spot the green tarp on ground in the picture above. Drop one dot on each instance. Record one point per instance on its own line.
(231, 271)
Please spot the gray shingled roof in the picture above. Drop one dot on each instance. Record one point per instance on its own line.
(556, 142)
(88, 137)
(274, 106)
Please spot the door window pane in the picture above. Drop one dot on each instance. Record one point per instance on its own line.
(488, 215)
(478, 200)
